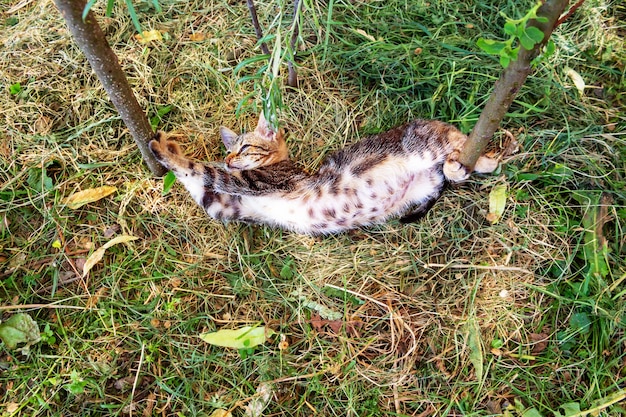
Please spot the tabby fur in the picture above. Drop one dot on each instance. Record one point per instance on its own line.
(398, 173)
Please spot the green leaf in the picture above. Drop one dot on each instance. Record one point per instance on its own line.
(527, 42)
(505, 60)
(15, 88)
(580, 322)
(133, 15)
(569, 409)
(157, 6)
(510, 28)
(20, 328)
(497, 203)
(550, 49)
(77, 385)
(110, 5)
(250, 61)
(243, 338)
(535, 34)
(490, 46)
(168, 181)
(532, 412)
(286, 271)
(87, 8)
(475, 347)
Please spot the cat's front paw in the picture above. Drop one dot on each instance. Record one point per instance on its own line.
(161, 146)
(453, 170)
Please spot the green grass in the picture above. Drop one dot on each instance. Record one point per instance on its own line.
(536, 301)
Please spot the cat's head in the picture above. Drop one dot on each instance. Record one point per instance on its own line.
(261, 147)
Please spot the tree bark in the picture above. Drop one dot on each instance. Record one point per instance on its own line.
(92, 42)
(508, 85)
(257, 27)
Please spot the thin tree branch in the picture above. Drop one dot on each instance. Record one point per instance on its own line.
(508, 85)
(569, 13)
(92, 42)
(257, 27)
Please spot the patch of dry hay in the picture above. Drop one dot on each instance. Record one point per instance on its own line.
(418, 284)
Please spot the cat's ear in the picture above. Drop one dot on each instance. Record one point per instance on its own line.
(228, 137)
(264, 129)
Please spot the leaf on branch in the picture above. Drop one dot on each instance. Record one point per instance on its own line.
(97, 255)
(490, 46)
(243, 338)
(81, 198)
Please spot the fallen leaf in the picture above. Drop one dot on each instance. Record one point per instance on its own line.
(539, 342)
(148, 36)
(97, 255)
(335, 325)
(19, 328)
(81, 198)
(92, 301)
(110, 231)
(497, 202)
(577, 79)
(150, 403)
(475, 347)
(365, 34)
(317, 322)
(243, 338)
(197, 37)
(218, 412)
(260, 401)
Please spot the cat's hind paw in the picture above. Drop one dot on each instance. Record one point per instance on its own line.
(453, 170)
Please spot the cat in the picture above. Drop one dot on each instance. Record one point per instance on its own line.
(398, 173)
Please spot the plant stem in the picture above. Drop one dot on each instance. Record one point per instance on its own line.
(92, 42)
(292, 78)
(257, 27)
(508, 85)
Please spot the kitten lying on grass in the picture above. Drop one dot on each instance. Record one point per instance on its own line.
(401, 172)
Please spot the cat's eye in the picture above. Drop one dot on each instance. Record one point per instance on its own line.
(243, 148)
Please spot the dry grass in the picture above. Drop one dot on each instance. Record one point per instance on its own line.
(413, 299)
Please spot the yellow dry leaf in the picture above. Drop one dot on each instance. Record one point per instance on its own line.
(577, 79)
(497, 202)
(149, 36)
(97, 255)
(243, 338)
(81, 198)
(218, 412)
(197, 37)
(365, 34)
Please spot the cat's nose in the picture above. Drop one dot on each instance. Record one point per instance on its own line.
(229, 158)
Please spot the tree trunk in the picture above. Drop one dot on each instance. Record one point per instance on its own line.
(91, 40)
(508, 85)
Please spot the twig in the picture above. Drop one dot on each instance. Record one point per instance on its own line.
(481, 267)
(569, 13)
(292, 78)
(507, 86)
(257, 27)
(132, 393)
(91, 40)
(35, 306)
